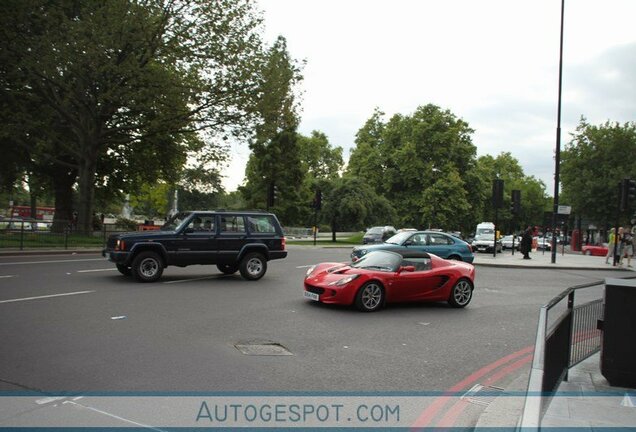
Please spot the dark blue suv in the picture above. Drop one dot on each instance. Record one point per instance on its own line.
(234, 241)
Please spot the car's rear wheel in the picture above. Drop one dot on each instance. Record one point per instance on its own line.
(125, 270)
(461, 293)
(253, 266)
(227, 268)
(370, 297)
(455, 258)
(147, 266)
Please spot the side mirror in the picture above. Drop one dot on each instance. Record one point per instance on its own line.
(406, 269)
(408, 243)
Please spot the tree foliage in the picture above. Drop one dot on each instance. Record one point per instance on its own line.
(126, 84)
(593, 163)
(411, 159)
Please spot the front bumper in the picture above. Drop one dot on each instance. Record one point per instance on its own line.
(332, 295)
(118, 257)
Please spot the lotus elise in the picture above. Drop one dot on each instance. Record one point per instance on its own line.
(385, 276)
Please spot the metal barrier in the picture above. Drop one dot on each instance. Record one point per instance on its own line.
(23, 234)
(564, 339)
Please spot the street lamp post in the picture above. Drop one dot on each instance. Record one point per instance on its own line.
(557, 155)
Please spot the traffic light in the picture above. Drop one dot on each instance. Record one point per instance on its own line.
(628, 193)
(497, 193)
(515, 208)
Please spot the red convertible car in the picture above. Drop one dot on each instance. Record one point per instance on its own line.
(385, 276)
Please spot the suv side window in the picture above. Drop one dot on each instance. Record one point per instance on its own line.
(231, 224)
(202, 224)
(261, 224)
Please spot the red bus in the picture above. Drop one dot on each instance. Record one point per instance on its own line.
(25, 212)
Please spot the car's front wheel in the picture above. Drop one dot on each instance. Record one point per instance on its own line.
(370, 297)
(253, 266)
(147, 266)
(227, 268)
(588, 252)
(125, 270)
(461, 293)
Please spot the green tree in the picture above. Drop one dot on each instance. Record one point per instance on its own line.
(274, 173)
(533, 192)
(132, 81)
(592, 164)
(351, 204)
(405, 157)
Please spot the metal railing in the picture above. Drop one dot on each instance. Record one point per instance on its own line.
(24, 234)
(567, 334)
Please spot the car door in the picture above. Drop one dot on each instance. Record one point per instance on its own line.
(198, 241)
(232, 237)
(416, 285)
(417, 242)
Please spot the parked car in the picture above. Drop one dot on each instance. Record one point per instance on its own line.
(441, 244)
(594, 250)
(383, 276)
(544, 243)
(378, 234)
(506, 242)
(234, 241)
(486, 243)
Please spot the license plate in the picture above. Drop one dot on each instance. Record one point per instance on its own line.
(311, 296)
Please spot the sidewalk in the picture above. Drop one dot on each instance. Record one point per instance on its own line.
(543, 260)
(586, 401)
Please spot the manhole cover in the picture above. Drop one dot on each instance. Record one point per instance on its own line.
(482, 395)
(262, 349)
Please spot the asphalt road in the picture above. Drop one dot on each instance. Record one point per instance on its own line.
(101, 331)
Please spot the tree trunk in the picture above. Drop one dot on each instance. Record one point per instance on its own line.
(63, 181)
(86, 188)
(333, 230)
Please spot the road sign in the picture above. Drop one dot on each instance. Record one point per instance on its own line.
(563, 209)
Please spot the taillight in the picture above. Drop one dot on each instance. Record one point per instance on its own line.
(120, 245)
(283, 243)
(470, 248)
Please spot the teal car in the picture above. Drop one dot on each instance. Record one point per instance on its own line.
(441, 244)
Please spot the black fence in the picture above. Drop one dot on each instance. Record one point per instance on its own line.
(23, 234)
(567, 334)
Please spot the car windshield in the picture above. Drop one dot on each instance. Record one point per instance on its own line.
(399, 238)
(375, 230)
(379, 260)
(175, 222)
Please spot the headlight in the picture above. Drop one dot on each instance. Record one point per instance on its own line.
(344, 281)
(310, 270)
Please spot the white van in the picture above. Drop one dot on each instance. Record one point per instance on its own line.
(485, 228)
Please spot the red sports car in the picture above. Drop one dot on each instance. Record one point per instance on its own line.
(386, 276)
(594, 250)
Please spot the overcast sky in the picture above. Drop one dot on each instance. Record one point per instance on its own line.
(493, 63)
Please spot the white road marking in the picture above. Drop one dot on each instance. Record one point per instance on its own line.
(96, 270)
(49, 400)
(307, 266)
(7, 276)
(51, 262)
(46, 296)
(193, 279)
(112, 415)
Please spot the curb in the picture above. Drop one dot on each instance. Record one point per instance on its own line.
(547, 267)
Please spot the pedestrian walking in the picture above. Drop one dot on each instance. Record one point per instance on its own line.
(526, 243)
(627, 246)
(611, 241)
